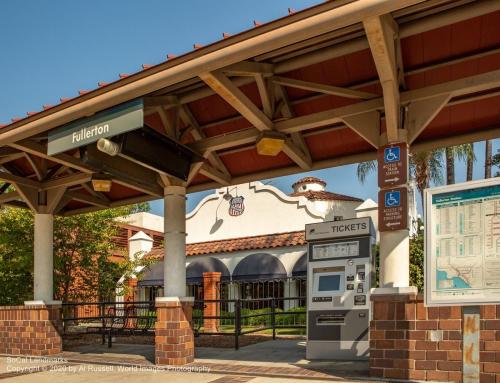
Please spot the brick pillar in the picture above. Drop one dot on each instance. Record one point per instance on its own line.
(174, 340)
(33, 329)
(132, 284)
(211, 292)
(410, 341)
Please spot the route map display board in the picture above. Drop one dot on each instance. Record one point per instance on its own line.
(462, 244)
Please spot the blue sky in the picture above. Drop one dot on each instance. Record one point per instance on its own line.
(52, 49)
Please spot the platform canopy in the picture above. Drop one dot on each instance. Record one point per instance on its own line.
(332, 83)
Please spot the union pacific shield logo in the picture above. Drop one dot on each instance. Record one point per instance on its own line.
(236, 206)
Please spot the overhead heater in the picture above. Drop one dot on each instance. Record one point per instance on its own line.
(145, 147)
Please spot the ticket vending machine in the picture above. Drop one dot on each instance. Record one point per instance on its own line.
(339, 278)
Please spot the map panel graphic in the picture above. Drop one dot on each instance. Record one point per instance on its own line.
(463, 244)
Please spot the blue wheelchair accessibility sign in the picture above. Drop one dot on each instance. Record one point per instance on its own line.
(391, 154)
(392, 199)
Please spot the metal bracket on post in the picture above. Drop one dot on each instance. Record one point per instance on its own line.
(237, 323)
(273, 317)
(470, 351)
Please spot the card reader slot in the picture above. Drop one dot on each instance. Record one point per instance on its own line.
(335, 319)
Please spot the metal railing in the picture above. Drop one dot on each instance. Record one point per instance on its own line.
(233, 317)
(243, 320)
(108, 318)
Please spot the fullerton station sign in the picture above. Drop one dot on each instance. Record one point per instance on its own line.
(111, 122)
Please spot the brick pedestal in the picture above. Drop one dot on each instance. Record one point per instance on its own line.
(211, 281)
(410, 341)
(174, 340)
(132, 284)
(30, 330)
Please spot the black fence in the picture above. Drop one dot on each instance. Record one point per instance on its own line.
(258, 291)
(230, 317)
(107, 318)
(236, 317)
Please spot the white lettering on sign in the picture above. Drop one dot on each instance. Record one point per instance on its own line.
(87, 133)
(338, 229)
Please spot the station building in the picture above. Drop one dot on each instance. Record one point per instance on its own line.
(252, 234)
(334, 84)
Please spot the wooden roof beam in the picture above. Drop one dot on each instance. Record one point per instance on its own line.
(11, 157)
(170, 127)
(225, 88)
(9, 197)
(215, 174)
(39, 172)
(68, 181)
(88, 199)
(266, 94)
(323, 88)
(197, 133)
(381, 32)
(18, 180)
(249, 68)
(297, 155)
(239, 101)
(39, 150)
(468, 85)
(299, 148)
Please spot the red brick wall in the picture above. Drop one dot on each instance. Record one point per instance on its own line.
(174, 339)
(211, 292)
(30, 330)
(410, 341)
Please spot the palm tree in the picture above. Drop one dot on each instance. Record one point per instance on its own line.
(487, 159)
(471, 157)
(450, 165)
(464, 152)
(425, 167)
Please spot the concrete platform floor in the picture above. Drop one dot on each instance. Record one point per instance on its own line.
(278, 358)
(64, 372)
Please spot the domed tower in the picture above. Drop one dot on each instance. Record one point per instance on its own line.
(308, 184)
(332, 205)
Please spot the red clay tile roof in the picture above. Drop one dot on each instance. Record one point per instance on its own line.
(126, 231)
(308, 180)
(312, 195)
(295, 238)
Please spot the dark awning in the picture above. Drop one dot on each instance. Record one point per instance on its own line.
(194, 272)
(260, 266)
(153, 276)
(300, 268)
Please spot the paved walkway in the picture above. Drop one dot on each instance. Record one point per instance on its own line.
(277, 361)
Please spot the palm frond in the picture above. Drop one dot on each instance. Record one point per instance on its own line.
(465, 152)
(364, 168)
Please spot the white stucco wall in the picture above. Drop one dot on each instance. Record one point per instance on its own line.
(369, 208)
(267, 211)
(145, 220)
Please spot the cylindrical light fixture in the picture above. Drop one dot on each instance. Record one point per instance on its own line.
(107, 146)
